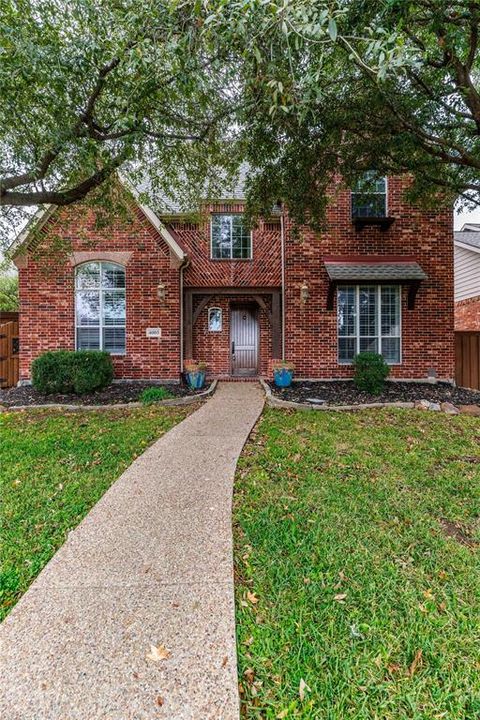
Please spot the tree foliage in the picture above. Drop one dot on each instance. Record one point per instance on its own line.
(8, 289)
(181, 92)
(91, 86)
(339, 86)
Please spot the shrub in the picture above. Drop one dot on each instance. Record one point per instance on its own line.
(371, 371)
(192, 366)
(79, 372)
(154, 394)
(92, 370)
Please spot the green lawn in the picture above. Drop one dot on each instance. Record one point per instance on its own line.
(53, 468)
(352, 599)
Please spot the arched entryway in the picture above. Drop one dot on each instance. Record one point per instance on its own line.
(245, 333)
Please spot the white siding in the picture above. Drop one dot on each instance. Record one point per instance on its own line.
(467, 273)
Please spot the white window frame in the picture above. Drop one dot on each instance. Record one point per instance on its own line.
(229, 259)
(101, 290)
(221, 319)
(354, 192)
(378, 337)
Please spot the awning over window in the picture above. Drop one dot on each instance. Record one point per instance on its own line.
(374, 269)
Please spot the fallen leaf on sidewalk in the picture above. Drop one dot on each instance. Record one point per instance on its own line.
(158, 652)
(160, 701)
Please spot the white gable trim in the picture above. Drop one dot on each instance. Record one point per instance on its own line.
(465, 246)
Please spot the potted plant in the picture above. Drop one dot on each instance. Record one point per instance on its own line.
(283, 373)
(195, 374)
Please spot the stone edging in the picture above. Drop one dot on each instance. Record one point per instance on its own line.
(170, 402)
(275, 402)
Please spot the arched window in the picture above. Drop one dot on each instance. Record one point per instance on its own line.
(215, 319)
(100, 307)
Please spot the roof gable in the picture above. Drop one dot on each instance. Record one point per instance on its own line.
(44, 213)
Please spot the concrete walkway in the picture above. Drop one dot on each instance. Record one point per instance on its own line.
(150, 565)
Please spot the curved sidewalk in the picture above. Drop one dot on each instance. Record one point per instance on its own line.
(150, 565)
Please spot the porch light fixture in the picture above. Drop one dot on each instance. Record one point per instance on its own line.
(304, 293)
(161, 292)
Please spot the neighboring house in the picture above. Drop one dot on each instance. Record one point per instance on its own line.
(158, 291)
(467, 277)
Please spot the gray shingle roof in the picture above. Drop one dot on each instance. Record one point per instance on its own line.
(173, 206)
(374, 271)
(468, 237)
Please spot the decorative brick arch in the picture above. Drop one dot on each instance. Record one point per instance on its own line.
(115, 256)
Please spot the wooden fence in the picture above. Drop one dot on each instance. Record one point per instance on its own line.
(467, 351)
(9, 348)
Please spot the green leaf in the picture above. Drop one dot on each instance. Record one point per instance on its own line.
(332, 29)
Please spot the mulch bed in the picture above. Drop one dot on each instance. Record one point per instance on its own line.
(345, 393)
(112, 395)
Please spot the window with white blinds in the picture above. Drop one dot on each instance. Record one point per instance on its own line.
(100, 308)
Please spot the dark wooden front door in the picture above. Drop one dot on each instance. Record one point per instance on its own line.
(244, 340)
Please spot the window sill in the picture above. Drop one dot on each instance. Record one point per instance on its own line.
(382, 222)
(230, 260)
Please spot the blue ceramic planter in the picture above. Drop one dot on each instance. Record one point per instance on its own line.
(283, 377)
(195, 380)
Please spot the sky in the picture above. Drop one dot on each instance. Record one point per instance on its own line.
(465, 217)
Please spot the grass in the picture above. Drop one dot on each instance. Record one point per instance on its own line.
(151, 395)
(353, 601)
(53, 468)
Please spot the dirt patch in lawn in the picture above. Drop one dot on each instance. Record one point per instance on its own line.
(345, 393)
(458, 532)
(116, 393)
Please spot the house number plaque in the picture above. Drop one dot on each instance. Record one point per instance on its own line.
(154, 332)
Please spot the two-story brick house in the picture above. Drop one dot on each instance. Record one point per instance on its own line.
(158, 290)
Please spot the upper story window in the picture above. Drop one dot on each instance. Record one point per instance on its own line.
(369, 320)
(231, 239)
(100, 307)
(369, 197)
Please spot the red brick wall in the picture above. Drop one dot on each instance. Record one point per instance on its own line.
(47, 294)
(263, 270)
(467, 314)
(47, 298)
(427, 331)
(214, 347)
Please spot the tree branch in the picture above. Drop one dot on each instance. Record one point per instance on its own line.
(62, 197)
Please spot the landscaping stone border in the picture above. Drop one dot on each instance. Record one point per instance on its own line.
(273, 401)
(447, 408)
(185, 400)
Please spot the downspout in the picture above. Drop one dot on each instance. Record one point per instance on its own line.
(282, 242)
(183, 266)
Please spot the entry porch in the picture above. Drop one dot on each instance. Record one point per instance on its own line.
(237, 331)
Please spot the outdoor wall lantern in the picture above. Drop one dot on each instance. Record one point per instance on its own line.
(304, 293)
(161, 292)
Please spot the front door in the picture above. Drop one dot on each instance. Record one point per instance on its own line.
(244, 340)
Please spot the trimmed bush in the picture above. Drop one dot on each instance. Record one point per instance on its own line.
(65, 371)
(151, 395)
(371, 371)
